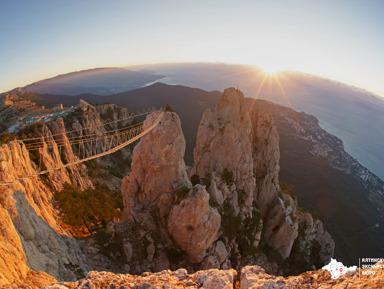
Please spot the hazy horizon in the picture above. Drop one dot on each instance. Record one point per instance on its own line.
(135, 68)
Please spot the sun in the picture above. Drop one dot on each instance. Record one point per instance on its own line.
(271, 69)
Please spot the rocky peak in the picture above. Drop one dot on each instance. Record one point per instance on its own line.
(158, 168)
(266, 155)
(223, 148)
(231, 108)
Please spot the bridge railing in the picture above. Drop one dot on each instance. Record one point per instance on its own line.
(98, 144)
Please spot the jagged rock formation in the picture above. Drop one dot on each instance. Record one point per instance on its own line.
(224, 144)
(266, 155)
(251, 151)
(158, 169)
(235, 208)
(250, 277)
(32, 238)
(160, 203)
(41, 243)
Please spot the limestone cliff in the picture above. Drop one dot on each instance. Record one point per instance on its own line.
(160, 203)
(41, 243)
(232, 213)
(224, 145)
(32, 236)
(239, 151)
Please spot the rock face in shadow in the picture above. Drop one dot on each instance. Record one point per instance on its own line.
(266, 155)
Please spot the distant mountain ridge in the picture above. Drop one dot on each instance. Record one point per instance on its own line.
(101, 81)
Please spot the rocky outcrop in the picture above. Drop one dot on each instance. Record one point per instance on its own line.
(250, 277)
(33, 237)
(266, 155)
(41, 243)
(194, 224)
(158, 169)
(223, 147)
(77, 174)
(237, 157)
(313, 244)
(12, 260)
(255, 277)
(33, 280)
(235, 207)
(210, 279)
(160, 202)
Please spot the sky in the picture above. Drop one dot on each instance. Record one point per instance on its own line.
(337, 39)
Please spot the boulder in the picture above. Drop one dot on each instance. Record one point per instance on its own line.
(193, 224)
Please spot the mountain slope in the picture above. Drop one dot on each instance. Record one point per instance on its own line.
(99, 81)
(328, 180)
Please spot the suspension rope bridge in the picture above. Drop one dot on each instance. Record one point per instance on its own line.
(90, 145)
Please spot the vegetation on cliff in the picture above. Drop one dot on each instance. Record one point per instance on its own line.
(89, 210)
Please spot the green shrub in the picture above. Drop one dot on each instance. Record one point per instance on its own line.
(231, 225)
(6, 137)
(300, 210)
(190, 228)
(195, 179)
(272, 255)
(115, 172)
(315, 215)
(109, 114)
(207, 180)
(227, 176)
(169, 108)
(242, 195)
(287, 189)
(88, 210)
(213, 204)
(182, 192)
(246, 247)
(31, 131)
(293, 217)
